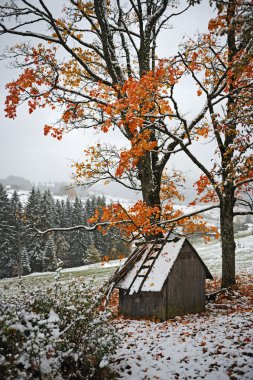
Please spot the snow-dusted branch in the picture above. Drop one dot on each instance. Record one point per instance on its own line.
(128, 221)
(249, 212)
(163, 222)
(79, 227)
(240, 183)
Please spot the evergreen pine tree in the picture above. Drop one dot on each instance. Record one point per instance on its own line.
(78, 240)
(63, 218)
(35, 244)
(50, 258)
(121, 246)
(46, 210)
(24, 259)
(36, 255)
(68, 214)
(100, 239)
(62, 250)
(17, 221)
(57, 214)
(63, 214)
(92, 255)
(46, 220)
(32, 208)
(88, 213)
(7, 236)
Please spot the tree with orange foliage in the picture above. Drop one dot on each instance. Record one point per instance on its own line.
(221, 65)
(111, 78)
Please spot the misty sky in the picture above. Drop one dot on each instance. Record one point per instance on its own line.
(26, 152)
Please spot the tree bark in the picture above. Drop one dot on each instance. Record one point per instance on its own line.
(150, 181)
(150, 178)
(227, 238)
(228, 198)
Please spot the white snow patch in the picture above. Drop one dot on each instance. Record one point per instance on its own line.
(53, 317)
(162, 266)
(128, 279)
(136, 285)
(210, 347)
(159, 272)
(104, 362)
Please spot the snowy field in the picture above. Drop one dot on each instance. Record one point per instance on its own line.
(215, 345)
(211, 347)
(211, 253)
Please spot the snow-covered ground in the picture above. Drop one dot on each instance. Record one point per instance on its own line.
(211, 253)
(215, 345)
(211, 347)
(103, 265)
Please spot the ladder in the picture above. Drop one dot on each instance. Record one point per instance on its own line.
(120, 272)
(145, 268)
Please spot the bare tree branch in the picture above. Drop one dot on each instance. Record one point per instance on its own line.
(79, 227)
(164, 222)
(240, 183)
(249, 212)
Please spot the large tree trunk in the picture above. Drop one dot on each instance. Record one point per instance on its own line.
(150, 178)
(228, 198)
(150, 181)
(227, 238)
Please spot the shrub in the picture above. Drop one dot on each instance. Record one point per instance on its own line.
(55, 332)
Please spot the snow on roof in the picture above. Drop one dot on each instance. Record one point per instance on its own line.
(162, 266)
(159, 271)
(125, 283)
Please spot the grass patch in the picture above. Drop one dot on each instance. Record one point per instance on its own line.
(98, 275)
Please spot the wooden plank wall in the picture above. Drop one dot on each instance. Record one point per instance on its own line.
(182, 293)
(186, 285)
(143, 304)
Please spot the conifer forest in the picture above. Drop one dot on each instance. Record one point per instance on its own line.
(23, 251)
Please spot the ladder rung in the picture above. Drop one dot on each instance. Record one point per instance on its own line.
(141, 275)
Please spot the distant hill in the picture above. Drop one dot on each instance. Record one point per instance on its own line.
(20, 183)
(112, 190)
(17, 183)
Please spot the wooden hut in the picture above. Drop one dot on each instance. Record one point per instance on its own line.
(162, 280)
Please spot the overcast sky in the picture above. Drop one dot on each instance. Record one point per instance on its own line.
(26, 152)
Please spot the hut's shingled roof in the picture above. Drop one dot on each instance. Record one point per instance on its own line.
(139, 277)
